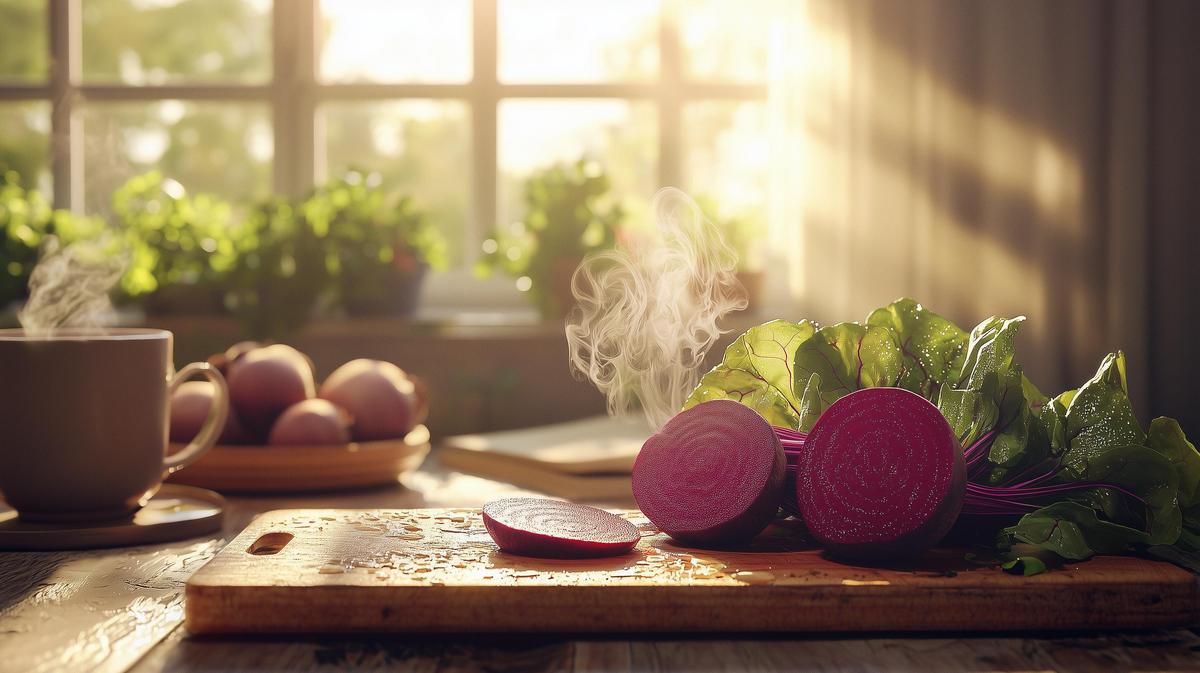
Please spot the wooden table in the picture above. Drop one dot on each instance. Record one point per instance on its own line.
(122, 610)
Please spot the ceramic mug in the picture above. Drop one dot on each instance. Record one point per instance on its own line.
(83, 420)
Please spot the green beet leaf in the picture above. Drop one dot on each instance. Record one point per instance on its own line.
(1000, 400)
(1073, 531)
(1099, 415)
(1167, 438)
(811, 404)
(1024, 565)
(990, 349)
(970, 412)
(932, 347)
(847, 357)
(757, 371)
(1146, 473)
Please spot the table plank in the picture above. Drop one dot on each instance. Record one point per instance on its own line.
(1158, 651)
(103, 610)
(97, 610)
(110, 610)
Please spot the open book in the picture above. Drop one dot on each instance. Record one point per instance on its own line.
(587, 459)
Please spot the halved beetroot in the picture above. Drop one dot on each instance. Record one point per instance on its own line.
(881, 476)
(712, 475)
(555, 529)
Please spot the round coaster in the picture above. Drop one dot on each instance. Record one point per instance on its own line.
(176, 512)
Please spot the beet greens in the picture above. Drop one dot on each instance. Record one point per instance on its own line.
(1075, 474)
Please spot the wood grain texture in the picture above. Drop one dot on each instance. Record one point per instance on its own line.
(438, 571)
(106, 610)
(1154, 651)
(103, 610)
(91, 611)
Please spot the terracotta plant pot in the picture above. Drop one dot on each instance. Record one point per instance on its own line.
(395, 293)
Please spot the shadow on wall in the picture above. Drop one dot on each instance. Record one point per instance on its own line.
(992, 158)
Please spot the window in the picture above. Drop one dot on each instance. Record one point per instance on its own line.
(452, 101)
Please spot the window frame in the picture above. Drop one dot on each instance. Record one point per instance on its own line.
(294, 94)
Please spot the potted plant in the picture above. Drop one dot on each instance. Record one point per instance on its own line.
(180, 246)
(282, 268)
(26, 220)
(570, 212)
(381, 246)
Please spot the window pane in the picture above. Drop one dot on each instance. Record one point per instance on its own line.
(725, 161)
(725, 41)
(554, 41)
(224, 148)
(159, 41)
(389, 41)
(620, 136)
(25, 143)
(420, 148)
(23, 31)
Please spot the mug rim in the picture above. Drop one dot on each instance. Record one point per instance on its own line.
(85, 334)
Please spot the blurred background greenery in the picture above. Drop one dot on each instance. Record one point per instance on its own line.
(190, 178)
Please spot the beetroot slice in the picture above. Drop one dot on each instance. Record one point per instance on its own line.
(555, 529)
(881, 476)
(712, 475)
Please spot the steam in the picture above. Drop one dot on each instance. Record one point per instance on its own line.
(647, 313)
(69, 286)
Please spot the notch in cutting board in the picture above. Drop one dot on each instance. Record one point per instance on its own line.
(269, 543)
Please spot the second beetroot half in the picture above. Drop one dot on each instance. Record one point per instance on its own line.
(881, 476)
(712, 475)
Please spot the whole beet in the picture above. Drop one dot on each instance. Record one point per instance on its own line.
(189, 408)
(311, 423)
(383, 400)
(223, 360)
(265, 381)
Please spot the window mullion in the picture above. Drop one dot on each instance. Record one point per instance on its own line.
(293, 100)
(485, 100)
(66, 140)
(670, 103)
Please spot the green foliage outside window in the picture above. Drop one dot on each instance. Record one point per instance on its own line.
(173, 238)
(348, 244)
(26, 219)
(570, 213)
(378, 243)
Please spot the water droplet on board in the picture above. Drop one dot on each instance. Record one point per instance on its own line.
(330, 569)
(754, 576)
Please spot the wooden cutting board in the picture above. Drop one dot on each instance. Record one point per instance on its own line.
(319, 571)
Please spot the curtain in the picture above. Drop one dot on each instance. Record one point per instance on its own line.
(982, 157)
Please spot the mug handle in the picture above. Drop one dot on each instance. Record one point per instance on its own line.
(211, 430)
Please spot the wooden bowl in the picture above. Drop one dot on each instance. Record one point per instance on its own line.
(293, 469)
